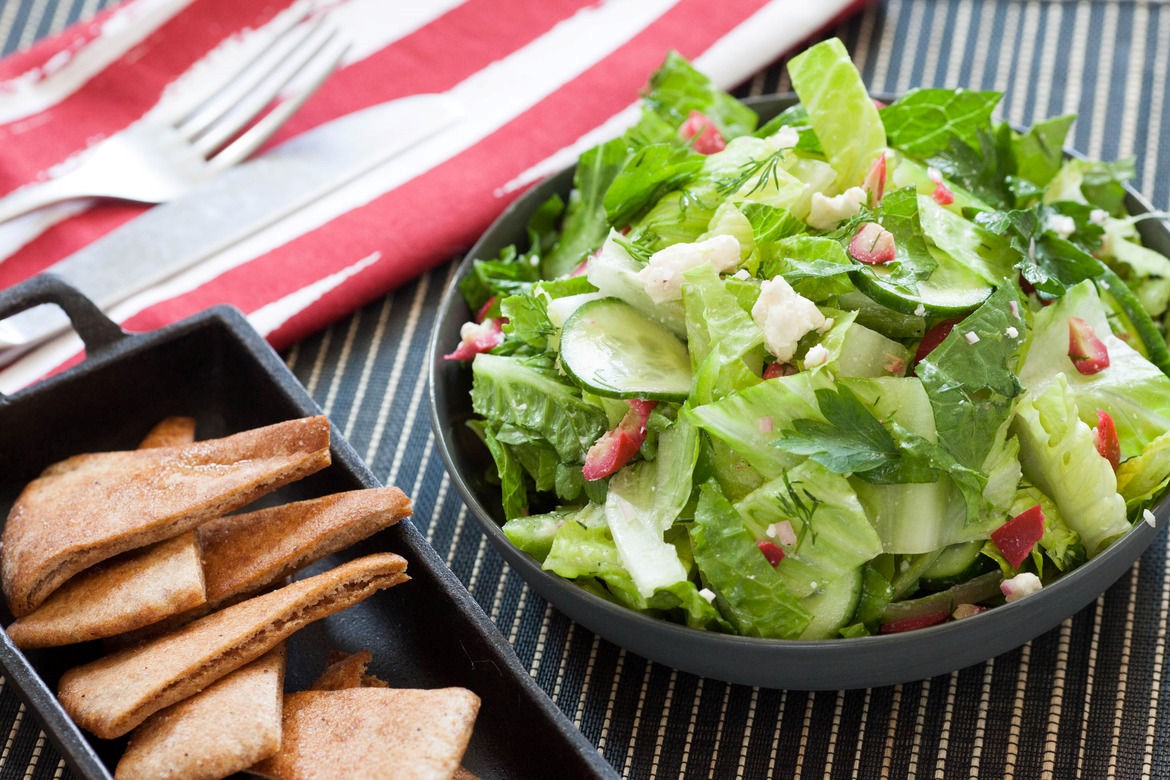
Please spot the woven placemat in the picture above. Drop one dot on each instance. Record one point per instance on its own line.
(1083, 700)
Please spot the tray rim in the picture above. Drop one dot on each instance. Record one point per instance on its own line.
(75, 746)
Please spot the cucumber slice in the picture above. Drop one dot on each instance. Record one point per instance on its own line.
(612, 349)
(949, 291)
(832, 605)
(953, 560)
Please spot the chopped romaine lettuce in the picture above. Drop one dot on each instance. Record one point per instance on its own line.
(748, 591)
(863, 429)
(1059, 456)
(839, 108)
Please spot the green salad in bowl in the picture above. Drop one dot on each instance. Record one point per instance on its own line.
(860, 369)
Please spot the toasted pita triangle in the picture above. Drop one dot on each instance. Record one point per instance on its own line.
(120, 595)
(125, 593)
(243, 554)
(372, 733)
(223, 729)
(170, 432)
(112, 695)
(92, 507)
(347, 670)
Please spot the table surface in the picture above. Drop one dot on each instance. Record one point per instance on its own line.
(1091, 698)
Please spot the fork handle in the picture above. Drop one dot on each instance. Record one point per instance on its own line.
(37, 195)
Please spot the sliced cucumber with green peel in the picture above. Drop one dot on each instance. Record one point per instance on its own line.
(949, 291)
(612, 349)
(954, 560)
(832, 606)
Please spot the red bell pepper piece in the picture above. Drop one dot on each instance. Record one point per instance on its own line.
(942, 194)
(913, 623)
(875, 181)
(1106, 439)
(707, 138)
(777, 369)
(772, 551)
(614, 448)
(1016, 538)
(934, 336)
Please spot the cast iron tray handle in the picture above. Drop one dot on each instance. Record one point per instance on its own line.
(97, 331)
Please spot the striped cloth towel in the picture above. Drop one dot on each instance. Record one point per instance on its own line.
(539, 80)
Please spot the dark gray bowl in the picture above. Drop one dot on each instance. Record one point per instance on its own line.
(805, 665)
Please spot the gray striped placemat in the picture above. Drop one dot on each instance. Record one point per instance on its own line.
(1084, 700)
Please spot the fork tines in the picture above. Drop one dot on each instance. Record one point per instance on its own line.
(298, 52)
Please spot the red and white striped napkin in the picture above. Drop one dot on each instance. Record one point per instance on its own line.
(539, 81)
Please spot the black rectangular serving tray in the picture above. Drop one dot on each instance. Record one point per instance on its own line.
(426, 633)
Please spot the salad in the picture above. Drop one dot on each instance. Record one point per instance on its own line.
(858, 369)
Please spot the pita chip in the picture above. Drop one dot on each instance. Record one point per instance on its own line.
(123, 594)
(243, 554)
(347, 670)
(246, 553)
(92, 507)
(219, 731)
(373, 733)
(170, 432)
(112, 695)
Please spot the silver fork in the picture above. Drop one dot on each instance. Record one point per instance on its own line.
(157, 159)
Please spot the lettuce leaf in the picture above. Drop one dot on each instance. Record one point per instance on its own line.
(632, 517)
(716, 323)
(973, 386)
(1059, 455)
(1134, 392)
(749, 592)
(676, 88)
(1039, 153)
(644, 500)
(535, 404)
(1143, 477)
(648, 174)
(584, 226)
(749, 420)
(584, 551)
(815, 266)
(834, 537)
(839, 109)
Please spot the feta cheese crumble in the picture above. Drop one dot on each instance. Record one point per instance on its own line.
(817, 355)
(784, 315)
(708, 594)
(1012, 332)
(1023, 584)
(1149, 517)
(824, 213)
(972, 337)
(1060, 224)
(784, 138)
(662, 277)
